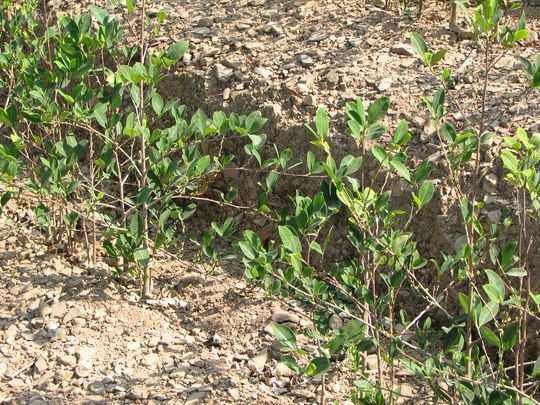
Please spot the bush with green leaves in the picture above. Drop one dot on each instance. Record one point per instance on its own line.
(477, 354)
(102, 153)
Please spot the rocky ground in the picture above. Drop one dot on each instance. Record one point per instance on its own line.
(70, 333)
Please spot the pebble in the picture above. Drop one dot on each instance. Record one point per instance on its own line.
(332, 78)
(195, 397)
(402, 49)
(309, 100)
(258, 361)
(63, 376)
(318, 36)
(223, 73)
(490, 183)
(283, 371)
(137, 393)
(74, 312)
(384, 84)
(97, 387)
(306, 60)
(281, 316)
(68, 360)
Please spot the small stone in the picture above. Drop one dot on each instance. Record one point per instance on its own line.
(187, 57)
(318, 36)
(195, 397)
(281, 316)
(67, 360)
(133, 346)
(137, 392)
(74, 312)
(336, 322)
(233, 392)
(83, 369)
(63, 376)
(10, 334)
(202, 31)
(402, 49)
(205, 22)
(179, 373)
(309, 100)
(258, 361)
(283, 371)
(210, 52)
(40, 365)
(86, 353)
(371, 362)
(332, 78)
(58, 310)
(263, 72)
(223, 73)
(490, 183)
(494, 216)
(242, 26)
(405, 335)
(253, 45)
(306, 60)
(97, 387)
(153, 342)
(459, 242)
(506, 62)
(384, 84)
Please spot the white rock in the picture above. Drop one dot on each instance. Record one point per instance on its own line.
(384, 84)
(306, 60)
(223, 73)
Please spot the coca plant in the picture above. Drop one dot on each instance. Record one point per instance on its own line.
(88, 137)
(478, 354)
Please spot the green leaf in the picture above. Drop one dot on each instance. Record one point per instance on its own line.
(177, 50)
(418, 45)
(337, 343)
(401, 169)
(426, 192)
(378, 109)
(510, 336)
(496, 281)
(157, 103)
(109, 248)
(401, 135)
(318, 366)
(290, 362)
(142, 256)
(488, 313)
(437, 57)
(285, 336)
(289, 239)
(516, 272)
(321, 123)
(536, 368)
(100, 111)
(490, 336)
(380, 154)
(509, 160)
(136, 225)
(99, 13)
(131, 6)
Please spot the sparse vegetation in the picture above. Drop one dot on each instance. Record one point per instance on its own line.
(106, 160)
